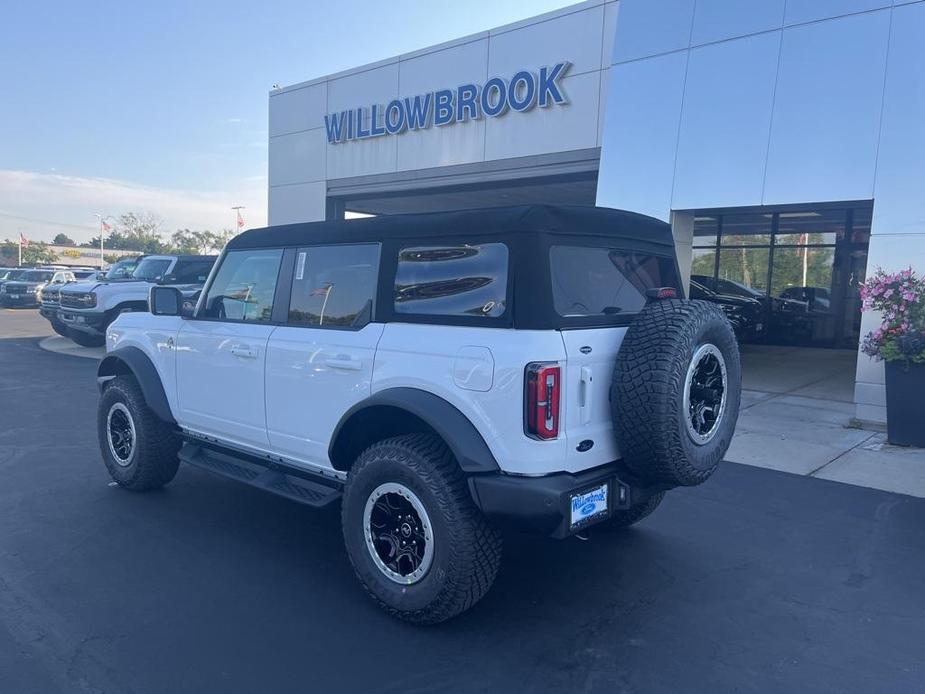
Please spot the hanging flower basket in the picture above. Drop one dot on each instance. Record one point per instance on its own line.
(900, 343)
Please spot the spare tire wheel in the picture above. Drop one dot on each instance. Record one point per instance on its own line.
(676, 391)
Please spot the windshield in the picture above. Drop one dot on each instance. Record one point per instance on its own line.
(151, 269)
(13, 274)
(37, 276)
(121, 269)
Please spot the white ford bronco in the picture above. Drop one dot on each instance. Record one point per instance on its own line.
(85, 309)
(441, 375)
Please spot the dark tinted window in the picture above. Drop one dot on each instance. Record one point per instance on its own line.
(244, 286)
(151, 269)
(334, 286)
(191, 271)
(37, 276)
(121, 269)
(588, 281)
(452, 280)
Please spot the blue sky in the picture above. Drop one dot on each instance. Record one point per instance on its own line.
(162, 106)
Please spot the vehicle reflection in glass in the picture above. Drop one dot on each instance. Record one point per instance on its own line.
(466, 280)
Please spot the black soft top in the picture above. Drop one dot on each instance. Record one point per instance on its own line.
(626, 229)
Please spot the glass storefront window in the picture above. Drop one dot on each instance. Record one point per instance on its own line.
(706, 230)
(810, 228)
(805, 275)
(746, 230)
(704, 261)
(745, 266)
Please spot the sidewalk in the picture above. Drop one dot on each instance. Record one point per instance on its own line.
(797, 420)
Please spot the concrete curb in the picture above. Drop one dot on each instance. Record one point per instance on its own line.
(61, 345)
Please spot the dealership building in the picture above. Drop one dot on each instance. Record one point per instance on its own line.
(784, 141)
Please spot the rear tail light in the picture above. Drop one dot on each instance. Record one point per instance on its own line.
(542, 385)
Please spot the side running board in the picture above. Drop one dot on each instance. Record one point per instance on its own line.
(290, 483)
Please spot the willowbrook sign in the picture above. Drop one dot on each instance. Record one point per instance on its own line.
(524, 91)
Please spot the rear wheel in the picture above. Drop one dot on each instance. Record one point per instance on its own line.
(418, 544)
(139, 449)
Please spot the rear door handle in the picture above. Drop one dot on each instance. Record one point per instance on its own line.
(244, 352)
(345, 363)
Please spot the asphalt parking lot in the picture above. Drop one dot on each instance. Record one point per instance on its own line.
(758, 581)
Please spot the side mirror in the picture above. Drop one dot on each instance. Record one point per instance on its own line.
(165, 301)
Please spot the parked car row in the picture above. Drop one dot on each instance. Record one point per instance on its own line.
(82, 310)
(755, 315)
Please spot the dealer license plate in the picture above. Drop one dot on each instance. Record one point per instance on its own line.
(588, 505)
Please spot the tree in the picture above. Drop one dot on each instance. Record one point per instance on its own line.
(35, 253)
(199, 242)
(63, 240)
(137, 231)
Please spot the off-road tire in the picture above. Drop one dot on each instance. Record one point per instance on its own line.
(467, 548)
(86, 339)
(648, 387)
(153, 462)
(60, 328)
(632, 515)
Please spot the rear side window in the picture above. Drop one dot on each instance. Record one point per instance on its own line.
(334, 286)
(191, 271)
(462, 280)
(597, 281)
(244, 286)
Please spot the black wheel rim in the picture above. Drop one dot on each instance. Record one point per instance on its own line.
(120, 433)
(705, 391)
(398, 532)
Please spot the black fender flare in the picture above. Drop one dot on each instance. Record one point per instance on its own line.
(462, 438)
(131, 360)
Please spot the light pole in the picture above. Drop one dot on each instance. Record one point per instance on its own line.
(102, 224)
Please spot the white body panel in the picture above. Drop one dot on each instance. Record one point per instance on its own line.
(425, 357)
(313, 376)
(220, 380)
(586, 413)
(288, 393)
(156, 336)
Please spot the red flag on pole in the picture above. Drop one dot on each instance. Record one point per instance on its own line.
(106, 227)
(240, 220)
(23, 241)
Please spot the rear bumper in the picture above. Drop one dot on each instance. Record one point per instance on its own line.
(542, 504)
(90, 322)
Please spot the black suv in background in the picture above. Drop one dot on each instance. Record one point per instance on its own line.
(746, 313)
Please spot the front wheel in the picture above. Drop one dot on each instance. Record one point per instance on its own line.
(139, 449)
(418, 544)
(59, 328)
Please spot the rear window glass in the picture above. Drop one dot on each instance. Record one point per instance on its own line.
(595, 281)
(461, 280)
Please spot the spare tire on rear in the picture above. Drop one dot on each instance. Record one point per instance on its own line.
(676, 392)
